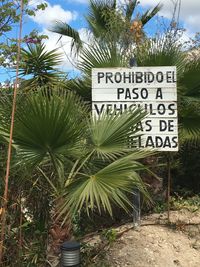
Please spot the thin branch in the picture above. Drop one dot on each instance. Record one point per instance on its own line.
(5, 198)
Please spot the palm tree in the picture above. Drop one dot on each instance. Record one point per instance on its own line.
(86, 161)
(111, 24)
(113, 32)
(39, 66)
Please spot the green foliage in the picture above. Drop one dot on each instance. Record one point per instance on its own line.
(94, 56)
(9, 11)
(111, 24)
(110, 235)
(93, 166)
(165, 51)
(10, 15)
(191, 203)
(187, 173)
(68, 161)
(96, 18)
(32, 253)
(160, 207)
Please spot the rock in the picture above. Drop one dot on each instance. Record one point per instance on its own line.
(196, 245)
(177, 262)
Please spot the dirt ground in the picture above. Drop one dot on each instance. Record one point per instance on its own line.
(155, 244)
(159, 245)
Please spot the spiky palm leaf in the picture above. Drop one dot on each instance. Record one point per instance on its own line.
(149, 14)
(41, 64)
(160, 52)
(130, 8)
(190, 79)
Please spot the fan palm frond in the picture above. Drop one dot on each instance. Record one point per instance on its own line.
(189, 120)
(161, 52)
(166, 52)
(54, 130)
(48, 128)
(106, 187)
(96, 56)
(110, 133)
(96, 17)
(82, 86)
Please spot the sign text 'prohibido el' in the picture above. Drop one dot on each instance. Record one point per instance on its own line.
(152, 88)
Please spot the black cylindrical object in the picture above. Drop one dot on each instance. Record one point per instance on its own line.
(70, 254)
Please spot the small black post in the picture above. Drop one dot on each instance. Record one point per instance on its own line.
(133, 62)
(70, 254)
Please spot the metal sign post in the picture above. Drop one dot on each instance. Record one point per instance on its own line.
(136, 192)
(136, 208)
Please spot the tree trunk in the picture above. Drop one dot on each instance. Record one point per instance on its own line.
(58, 233)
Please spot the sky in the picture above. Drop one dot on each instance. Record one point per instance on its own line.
(72, 12)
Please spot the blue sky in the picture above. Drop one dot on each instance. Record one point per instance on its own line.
(72, 12)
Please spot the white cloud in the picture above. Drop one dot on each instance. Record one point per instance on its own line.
(45, 19)
(79, 1)
(189, 11)
(52, 13)
(64, 47)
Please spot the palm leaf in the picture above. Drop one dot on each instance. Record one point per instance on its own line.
(161, 52)
(108, 186)
(52, 128)
(166, 52)
(189, 121)
(97, 16)
(110, 133)
(130, 8)
(82, 86)
(149, 14)
(96, 56)
(190, 80)
(66, 30)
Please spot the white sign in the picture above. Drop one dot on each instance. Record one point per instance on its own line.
(152, 88)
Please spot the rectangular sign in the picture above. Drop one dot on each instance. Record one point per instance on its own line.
(152, 88)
